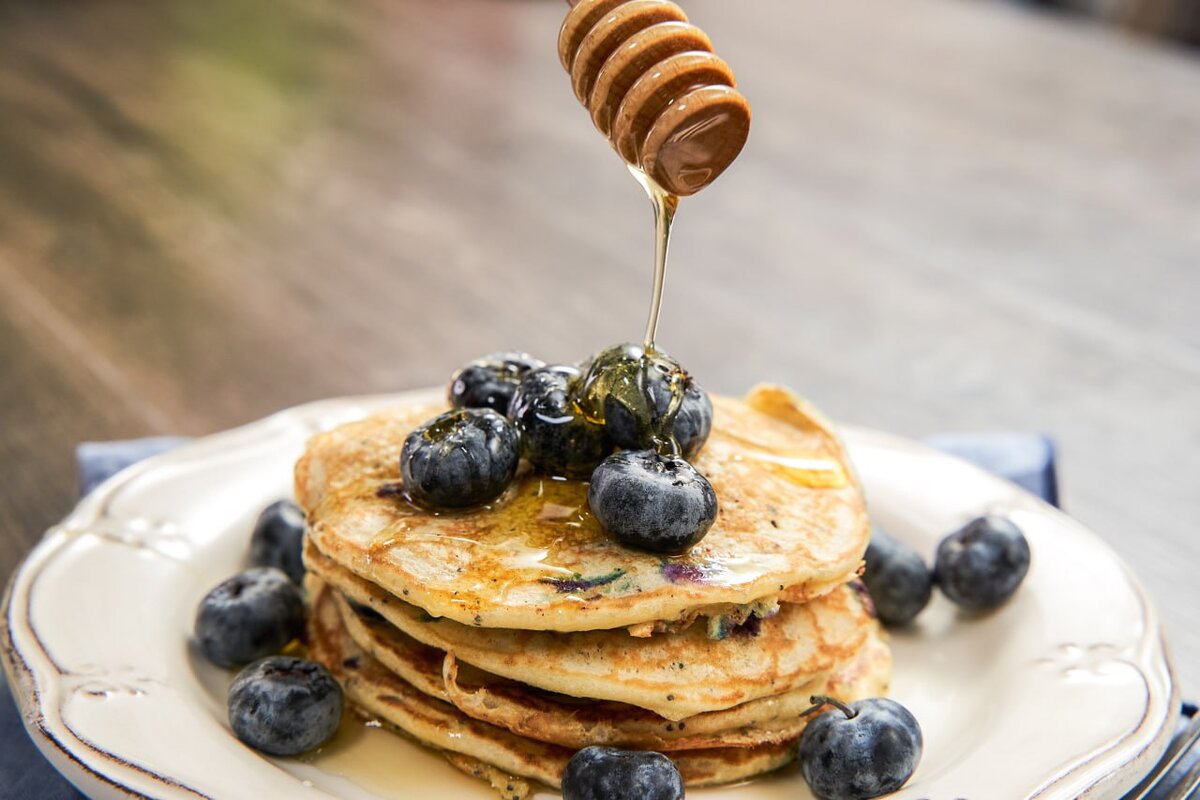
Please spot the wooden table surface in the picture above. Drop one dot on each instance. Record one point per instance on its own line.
(951, 215)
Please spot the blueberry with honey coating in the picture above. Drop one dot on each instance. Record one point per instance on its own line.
(636, 392)
(461, 459)
(556, 436)
(651, 501)
(491, 381)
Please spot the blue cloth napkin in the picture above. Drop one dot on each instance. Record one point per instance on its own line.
(1026, 459)
(99, 461)
(24, 774)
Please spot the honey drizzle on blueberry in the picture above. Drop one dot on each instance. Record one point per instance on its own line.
(627, 376)
(621, 372)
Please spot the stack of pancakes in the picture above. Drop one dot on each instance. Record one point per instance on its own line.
(513, 635)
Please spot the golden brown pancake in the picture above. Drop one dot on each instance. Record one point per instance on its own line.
(674, 675)
(791, 519)
(382, 693)
(579, 723)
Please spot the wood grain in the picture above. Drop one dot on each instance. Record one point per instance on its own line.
(949, 216)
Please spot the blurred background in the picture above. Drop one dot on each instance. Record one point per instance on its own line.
(951, 215)
(1174, 19)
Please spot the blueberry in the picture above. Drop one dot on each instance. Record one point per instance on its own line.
(981, 565)
(897, 578)
(652, 501)
(694, 421)
(278, 539)
(556, 436)
(284, 706)
(491, 381)
(871, 753)
(635, 393)
(249, 616)
(461, 459)
(604, 773)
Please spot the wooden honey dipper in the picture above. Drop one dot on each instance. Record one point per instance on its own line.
(653, 86)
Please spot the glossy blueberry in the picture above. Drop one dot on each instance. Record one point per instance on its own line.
(491, 381)
(870, 754)
(604, 773)
(284, 706)
(898, 579)
(461, 459)
(651, 501)
(981, 565)
(694, 421)
(556, 436)
(636, 392)
(278, 539)
(249, 616)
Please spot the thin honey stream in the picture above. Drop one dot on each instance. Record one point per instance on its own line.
(665, 205)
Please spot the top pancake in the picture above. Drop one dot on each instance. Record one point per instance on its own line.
(792, 521)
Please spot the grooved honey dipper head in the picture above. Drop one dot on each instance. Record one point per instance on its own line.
(654, 93)
(611, 33)
(654, 88)
(635, 58)
(696, 138)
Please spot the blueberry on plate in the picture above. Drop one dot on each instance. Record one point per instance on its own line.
(278, 539)
(461, 459)
(693, 423)
(490, 382)
(635, 392)
(981, 565)
(898, 579)
(651, 501)
(251, 615)
(284, 706)
(556, 436)
(604, 773)
(864, 750)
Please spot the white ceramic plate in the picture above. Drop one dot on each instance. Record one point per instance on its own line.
(1066, 692)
